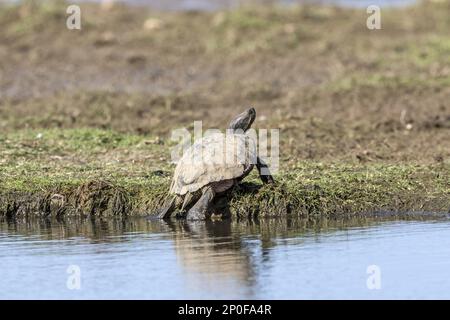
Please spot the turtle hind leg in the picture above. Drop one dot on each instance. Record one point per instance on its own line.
(188, 201)
(200, 210)
(169, 208)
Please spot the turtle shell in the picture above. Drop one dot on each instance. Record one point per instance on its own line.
(214, 158)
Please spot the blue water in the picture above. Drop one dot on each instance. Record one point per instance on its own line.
(273, 259)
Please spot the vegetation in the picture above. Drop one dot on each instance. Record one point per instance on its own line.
(91, 171)
(85, 116)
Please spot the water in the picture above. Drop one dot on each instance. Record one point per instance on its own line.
(270, 259)
(209, 5)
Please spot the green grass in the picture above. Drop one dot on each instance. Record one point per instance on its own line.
(33, 17)
(97, 172)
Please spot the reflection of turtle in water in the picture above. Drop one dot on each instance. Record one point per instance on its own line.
(212, 165)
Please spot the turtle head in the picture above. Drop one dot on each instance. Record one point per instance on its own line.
(244, 120)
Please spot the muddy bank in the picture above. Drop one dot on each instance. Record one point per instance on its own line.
(104, 173)
(109, 199)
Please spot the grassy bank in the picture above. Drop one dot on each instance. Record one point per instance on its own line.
(104, 173)
(85, 116)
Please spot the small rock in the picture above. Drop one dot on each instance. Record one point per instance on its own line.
(136, 59)
(107, 4)
(152, 24)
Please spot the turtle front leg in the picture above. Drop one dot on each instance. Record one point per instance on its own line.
(264, 172)
(200, 210)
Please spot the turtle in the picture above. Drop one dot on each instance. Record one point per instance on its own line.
(197, 181)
